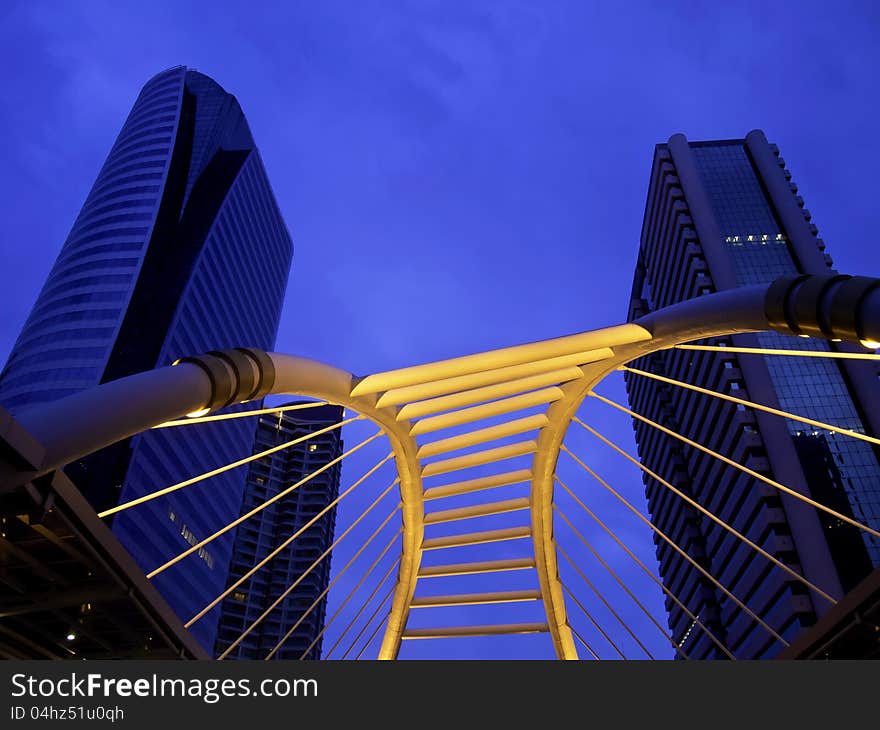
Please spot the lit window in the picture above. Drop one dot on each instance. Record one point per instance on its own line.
(313, 447)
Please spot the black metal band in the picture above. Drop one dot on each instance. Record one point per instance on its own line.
(827, 306)
(266, 369)
(221, 375)
(237, 375)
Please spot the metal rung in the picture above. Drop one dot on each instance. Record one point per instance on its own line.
(482, 435)
(476, 538)
(486, 566)
(477, 510)
(475, 599)
(622, 334)
(447, 632)
(487, 393)
(476, 485)
(431, 388)
(478, 458)
(486, 410)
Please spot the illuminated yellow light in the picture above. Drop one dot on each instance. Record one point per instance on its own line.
(199, 413)
(806, 337)
(71, 636)
(176, 362)
(870, 344)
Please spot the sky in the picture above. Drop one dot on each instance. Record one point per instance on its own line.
(456, 176)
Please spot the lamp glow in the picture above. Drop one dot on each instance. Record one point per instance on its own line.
(870, 344)
(199, 413)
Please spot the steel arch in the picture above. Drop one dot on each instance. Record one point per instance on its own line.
(557, 373)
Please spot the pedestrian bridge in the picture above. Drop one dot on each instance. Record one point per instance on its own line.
(494, 426)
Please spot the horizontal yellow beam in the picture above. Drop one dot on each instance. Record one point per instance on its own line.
(489, 392)
(478, 458)
(431, 388)
(475, 599)
(447, 632)
(476, 538)
(486, 566)
(476, 485)
(486, 410)
(477, 510)
(622, 334)
(482, 435)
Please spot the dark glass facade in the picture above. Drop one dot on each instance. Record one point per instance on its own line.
(720, 215)
(179, 249)
(269, 529)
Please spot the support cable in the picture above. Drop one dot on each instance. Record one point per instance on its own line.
(369, 621)
(315, 564)
(592, 620)
(363, 606)
(241, 414)
(756, 406)
(645, 568)
(772, 351)
(344, 603)
(583, 641)
(214, 472)
(751, 472)
(696, 505)
(669, 541)
(289, 540)
(604, 601)
(620, 582)
(283, 493)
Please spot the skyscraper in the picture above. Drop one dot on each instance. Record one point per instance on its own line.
(719, 215)
(179, 249)
(267, 531)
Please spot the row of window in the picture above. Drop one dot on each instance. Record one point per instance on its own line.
(159, 149)
(148, 112)
(122, 192)
(84, 281)
(138, 140)
(143, 177)
(122, 205)
(106, 221)
(82, 315)
(111, 179)
(149, 123)
(78, 252)
(63, 353)
(71, 335)
(99, 250)
(92, 296)
(55, 375)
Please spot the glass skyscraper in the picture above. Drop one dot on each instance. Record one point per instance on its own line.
(720, 215)
(267, 531)
(179, 249)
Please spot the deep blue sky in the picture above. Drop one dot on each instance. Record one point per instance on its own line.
(456, 176)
